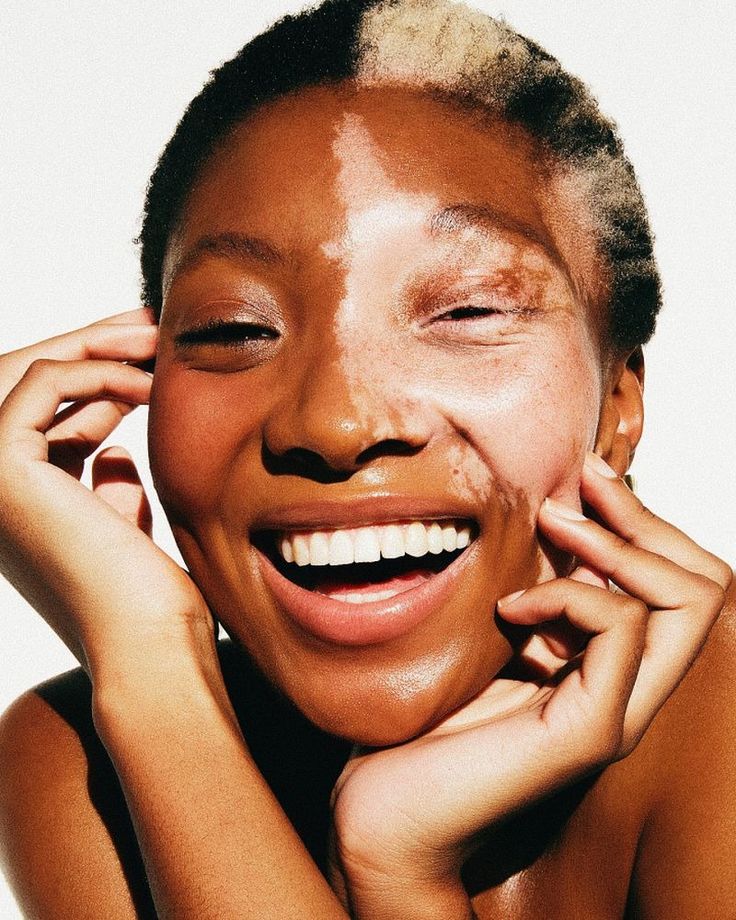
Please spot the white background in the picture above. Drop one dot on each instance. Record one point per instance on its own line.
(90, 92)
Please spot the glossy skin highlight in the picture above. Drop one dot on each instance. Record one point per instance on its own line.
(422, 323)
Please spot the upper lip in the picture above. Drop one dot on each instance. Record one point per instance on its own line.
(360, 511)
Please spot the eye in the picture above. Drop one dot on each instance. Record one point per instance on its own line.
(226, 332)
(227, 345)
(490, 320)
(470, 311)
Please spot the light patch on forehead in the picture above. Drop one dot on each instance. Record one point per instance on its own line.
(373, 202)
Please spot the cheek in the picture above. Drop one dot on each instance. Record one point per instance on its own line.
(196, 429)
(525, 426)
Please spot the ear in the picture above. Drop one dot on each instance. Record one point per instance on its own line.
(622, 412)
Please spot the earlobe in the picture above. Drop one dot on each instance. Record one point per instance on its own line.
(622, 412)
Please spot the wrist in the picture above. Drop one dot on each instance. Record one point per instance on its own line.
(378, 895)
(144, 651)
(164, 689)
(384, 877)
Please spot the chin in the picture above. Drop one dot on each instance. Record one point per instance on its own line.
(382, 706)
(380, 724)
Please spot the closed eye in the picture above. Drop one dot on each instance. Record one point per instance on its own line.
(474, 311)
(468, 312)
(222, 332)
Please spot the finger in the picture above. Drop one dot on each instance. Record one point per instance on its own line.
(673, 642)
(79, 430)
(615, 624)
(139, 314)
(655, 579)
(623, 512)
(116, 481)
(547, 649)
(31, 406)
(685, 605)
(556, 736)
(561, 638)
(589, 576)
(133, 343)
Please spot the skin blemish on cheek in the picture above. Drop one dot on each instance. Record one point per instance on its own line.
(470, 475)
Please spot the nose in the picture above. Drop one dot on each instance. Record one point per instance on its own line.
(329, 424)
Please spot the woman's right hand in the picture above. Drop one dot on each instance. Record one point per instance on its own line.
(84, 558)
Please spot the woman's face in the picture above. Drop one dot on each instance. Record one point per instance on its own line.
(374, 340)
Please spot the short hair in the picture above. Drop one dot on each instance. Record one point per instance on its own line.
(455, 52)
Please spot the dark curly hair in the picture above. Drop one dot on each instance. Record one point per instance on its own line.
(449, 49)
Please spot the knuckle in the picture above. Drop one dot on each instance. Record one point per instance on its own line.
(41, 367)
(632, 608)
(645, 515)
(642, 519)
(619, 551)
(711, 593)
(619, 544)
(722, 573)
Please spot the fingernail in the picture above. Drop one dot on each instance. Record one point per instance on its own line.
(510, 598)
(563, 511)
(599, 465)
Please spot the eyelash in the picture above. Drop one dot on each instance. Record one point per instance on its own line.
(220, 332)
(472, 311)
(467, 312)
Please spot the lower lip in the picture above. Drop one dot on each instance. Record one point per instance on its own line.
(346, 623)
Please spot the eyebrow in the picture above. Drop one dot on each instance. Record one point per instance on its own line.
(237, 247)
(468, 216)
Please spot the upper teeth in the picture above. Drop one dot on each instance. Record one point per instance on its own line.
(369, 544)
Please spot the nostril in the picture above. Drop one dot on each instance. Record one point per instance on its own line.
(391, 447)
(300, 461)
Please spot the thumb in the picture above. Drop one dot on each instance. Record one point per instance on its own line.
(116, 481)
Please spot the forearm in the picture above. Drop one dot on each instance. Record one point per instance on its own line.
(215, 842)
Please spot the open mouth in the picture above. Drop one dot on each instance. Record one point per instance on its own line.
(366, 564)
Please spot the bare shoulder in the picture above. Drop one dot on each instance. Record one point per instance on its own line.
(66, 839)
(686, 865)
(67, 845)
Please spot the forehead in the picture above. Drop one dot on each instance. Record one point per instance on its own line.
(296, 171)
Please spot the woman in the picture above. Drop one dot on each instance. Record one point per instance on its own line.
(399, 286)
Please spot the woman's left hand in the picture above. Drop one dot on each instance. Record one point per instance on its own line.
(406, 818)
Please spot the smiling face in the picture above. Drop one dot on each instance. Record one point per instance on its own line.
(374, 343)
